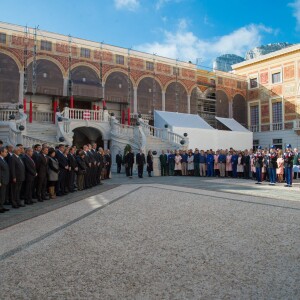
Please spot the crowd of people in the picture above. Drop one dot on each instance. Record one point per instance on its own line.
(39, 173)
(273, 165)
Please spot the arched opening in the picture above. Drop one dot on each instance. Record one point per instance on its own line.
(87, 135)
(239, 109)
(149, 95)
(117, 91)
(49, 78)
(86, 83)
(176, 98)
(195, 97)
(9, 80)
(222, 104)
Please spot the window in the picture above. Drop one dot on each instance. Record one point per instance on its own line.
(2, 38)
(277, 115)
(253, 83)
(277, 143)
(175, 71)
(213, 82)
(45, 45)
(239, 85)
(220, 80)
(254, 115)
(149, 66)
(255, 144)
(119, 59)
(84, 52)
(276, 77)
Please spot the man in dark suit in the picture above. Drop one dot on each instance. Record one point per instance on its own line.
(129, 161)
(100, 164)
(140, 161)
(93, 169)
(42, 170)
(119, 160)
(73, 167)
(63, 169)
(108, 163)
(88, 163)
(17, 175)
(30, 175)
(4, 178)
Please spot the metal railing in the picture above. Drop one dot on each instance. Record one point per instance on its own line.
(254, 128)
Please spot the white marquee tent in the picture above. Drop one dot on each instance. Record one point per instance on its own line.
(202, 135)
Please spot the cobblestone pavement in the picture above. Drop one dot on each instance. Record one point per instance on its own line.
(159, 238)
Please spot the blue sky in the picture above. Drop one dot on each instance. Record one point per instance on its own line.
(180, 29)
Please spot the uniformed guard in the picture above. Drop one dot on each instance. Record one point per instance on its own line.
(288, 157)
(272, 164)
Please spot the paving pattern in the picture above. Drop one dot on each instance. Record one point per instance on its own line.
(159, 238)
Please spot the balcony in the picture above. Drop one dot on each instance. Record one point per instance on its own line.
(297, 126)
(277, 126)
(254, 128)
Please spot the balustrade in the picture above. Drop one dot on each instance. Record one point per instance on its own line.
(4, 114)
(43, 116)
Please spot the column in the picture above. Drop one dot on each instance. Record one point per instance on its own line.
(189, 104)
(230, 109)
(105, 142)
(163, 101)
(66, 83)
(103, 90)
(135, 100)
(21, 87)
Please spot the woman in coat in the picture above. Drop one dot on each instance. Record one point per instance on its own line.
(81, 170)
(53, 170)
(190, 162)
(149, 163)
(178, 167)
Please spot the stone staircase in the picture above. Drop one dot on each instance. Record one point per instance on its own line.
(42, 131)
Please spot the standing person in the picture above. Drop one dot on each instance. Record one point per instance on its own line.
(119, 161)
(63, 169)
(171, 161)
(272, 165)
(190, 161)
(42, 172)
(228, 164)
(81, 169)
(296, 163)
(73, 168)
(108, 163)
(163, 158)
(222, 163)
(88, 163)
(149, 163)
(17, 175)
(140, 161)
(246, 164)
(258, 162)
(30, 175)
(216, 164)
(210, 164)
(53, 170)
(202, 163)
(288, 157)
(280, 166)
(129, 161)
(197, 163)
(4, 178)
(100, 164)
(240, 167)
(234, 163)
(178, 166)
(184, 157)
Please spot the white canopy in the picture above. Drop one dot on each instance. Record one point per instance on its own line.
(179, 120)
(232, 124)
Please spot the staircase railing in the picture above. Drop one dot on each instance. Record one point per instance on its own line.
(43, 116)
(64, 133)
(163, 134)
(5, 114)
(30, 141)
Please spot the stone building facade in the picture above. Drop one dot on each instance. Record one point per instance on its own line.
(45, 67)
(273, 100)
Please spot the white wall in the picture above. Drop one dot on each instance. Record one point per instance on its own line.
(216, 139)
